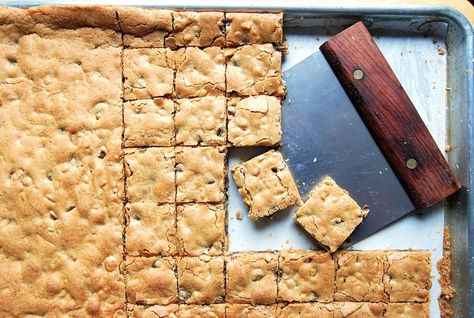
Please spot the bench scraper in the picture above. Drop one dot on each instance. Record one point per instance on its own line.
(346, 115)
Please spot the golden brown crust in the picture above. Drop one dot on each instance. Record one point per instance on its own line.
(304, 276)
(330, 214)
(254, 28)
(212, 311)
(359, 277)
(249, 311)
(358, 310)
(201, 280)
(251, 278)
(265, 184)
(201, 229)
(201, 121)
(306, 310)
(407, 310)
(155, 311)
(201, 29)
(254, 121)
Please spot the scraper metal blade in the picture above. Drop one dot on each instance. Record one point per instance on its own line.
(326, 134)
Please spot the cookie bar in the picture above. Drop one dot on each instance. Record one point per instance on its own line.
(254, 121)
(201, 280)
(150, 175)
(201, 29)
(151, 229)
(212, 311)
(200, 72)
(251, 278)
(330, 215)
(201, 229)
(253, 28)
(359, 276)
(408, 276)
(254, 70)
(304, 276)
(148, 73)
(160, 311)
(201, 121)
(149, 122)
(151, 280)
(200, 174)
(358, 310)
(249, 311)
(407, 310)
(306, 310)
(265, 184)
(144, 28)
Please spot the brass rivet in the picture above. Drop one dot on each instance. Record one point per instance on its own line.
(358, 74)
(411, 163)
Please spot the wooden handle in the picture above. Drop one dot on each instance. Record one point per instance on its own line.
(390, 116)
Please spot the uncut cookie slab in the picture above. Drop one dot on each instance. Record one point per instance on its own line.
(306, 310)
(265, 184)
(201, 229)
(201, 121)
(305, 276)
(408, 276)
(249, 311)
(407, 310)
(201, 29)
(200, 72)
(253, 28)
(254, 70)
(201, 280)
(149, 122)
(150, 175)
(254, 121)
(330, 215)
(151, 229)
(151, 280)
(200, 174)
(148, 73)
(251, 278)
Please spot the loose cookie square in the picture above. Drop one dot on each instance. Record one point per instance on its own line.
(408, 276)
(201, 121)
(149, 122)
(150, 175)
(200, 174)
(151, 229)
(151, 280)
(251, 278)
(201, 29)
(265, 184)
(201, 280)
(359, 277)
(254, 70)
(253, 28)
(148, 73)
(305, 276)
(201, 229)
(254, 121)
(249, 311)
(330, 215)
(200, 72)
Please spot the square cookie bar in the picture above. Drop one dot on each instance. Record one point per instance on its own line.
(201, 280)
(408, 276)
(306, 310)
(149, 122)
(359, 276)
(254, 121)
(150, 175)
(144, 28)
(358, 310)
(253, 28)
(265, 184)
(151, 229)
(254, 70)
(151, 280)
(201, 29)
(200, 174)
(200, 72)
(212, 311)
(148, 73)
(249, 311)
(407, 310)
(330, 215)
(305, 275)
(201, 121)
(201, 229)
(160, 311)
(252, 278)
